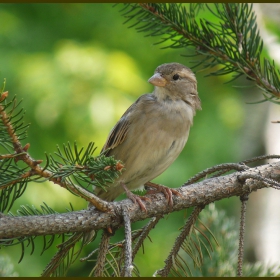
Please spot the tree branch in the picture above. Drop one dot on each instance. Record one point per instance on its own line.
(201, 193)
(234, 42)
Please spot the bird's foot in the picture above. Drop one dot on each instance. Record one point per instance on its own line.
(136, 198)
(165, 190)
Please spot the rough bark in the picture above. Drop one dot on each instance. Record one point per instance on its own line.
(200, 193)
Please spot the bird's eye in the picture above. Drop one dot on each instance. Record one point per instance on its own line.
(176, 77)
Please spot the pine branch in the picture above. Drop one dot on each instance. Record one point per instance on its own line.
(144, 234)
(101, 259)
(26, 241)
(66, 253)
(117, 251)
(72, 164)
(204, 192)
(233, 43)
(169, 262)
(83, 167)
(222, 262)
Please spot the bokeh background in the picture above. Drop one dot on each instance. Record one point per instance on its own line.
(77, 68)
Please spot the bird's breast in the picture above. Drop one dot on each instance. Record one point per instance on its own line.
(155, 142)
(156, 136)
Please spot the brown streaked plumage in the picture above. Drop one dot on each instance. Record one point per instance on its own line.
(153, 131)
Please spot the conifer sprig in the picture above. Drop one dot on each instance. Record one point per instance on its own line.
(73, 169)
(230, 45)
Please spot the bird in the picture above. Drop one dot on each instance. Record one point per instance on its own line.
(152, 132)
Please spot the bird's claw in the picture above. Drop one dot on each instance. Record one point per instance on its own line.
(165, 190)
(136, 198)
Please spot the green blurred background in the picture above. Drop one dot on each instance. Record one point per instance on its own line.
(77, 68)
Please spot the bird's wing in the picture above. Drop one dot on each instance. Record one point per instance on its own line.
(119, 131)
(117, 134)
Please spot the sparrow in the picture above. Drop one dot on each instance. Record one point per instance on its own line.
(152, 132)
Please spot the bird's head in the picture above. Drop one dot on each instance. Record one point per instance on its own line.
(175, 81)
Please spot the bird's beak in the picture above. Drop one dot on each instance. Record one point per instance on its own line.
(157, 80)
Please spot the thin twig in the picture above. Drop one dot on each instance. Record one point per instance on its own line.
(146, 230)
(254, 159)
(244, 200)
(224, 167)
(22, 177)
(134, 236)
(60, 255)
(128, 267)
(179, 241)
(5, 119)
(101, 258)
(271, 182)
